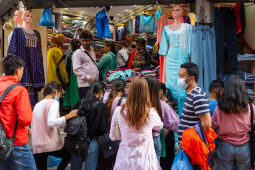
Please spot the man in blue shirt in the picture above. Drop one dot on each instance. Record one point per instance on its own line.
(215, 89)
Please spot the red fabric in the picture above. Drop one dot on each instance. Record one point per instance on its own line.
(196, 149)
(237, 9)
(246, 44)
(131, 60)
(16, 103)
(162, 73)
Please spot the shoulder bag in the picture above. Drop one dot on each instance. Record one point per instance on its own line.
(252, 139)
(100, 74)
(60, 76)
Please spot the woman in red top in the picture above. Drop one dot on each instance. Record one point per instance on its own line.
(140, 58)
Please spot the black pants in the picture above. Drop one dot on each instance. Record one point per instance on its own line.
(166, 162)
(225, 33)
(83, 91)
(41, 159)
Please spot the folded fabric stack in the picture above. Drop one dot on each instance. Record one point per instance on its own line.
(249, 80)
(244, 57)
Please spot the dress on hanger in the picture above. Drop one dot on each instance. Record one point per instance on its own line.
(175, 45)
(28, 47)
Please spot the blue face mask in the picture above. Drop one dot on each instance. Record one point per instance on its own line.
(101, 98)
(57, 98)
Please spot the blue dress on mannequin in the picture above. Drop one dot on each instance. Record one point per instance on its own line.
(175, 45)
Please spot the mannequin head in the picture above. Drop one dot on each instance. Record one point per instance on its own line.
(18, 18)
(177, 11)
(27, 17)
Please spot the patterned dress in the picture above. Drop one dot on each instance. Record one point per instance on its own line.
(176, 46)
(28, 47)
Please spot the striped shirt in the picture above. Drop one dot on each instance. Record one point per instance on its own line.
(196, 104)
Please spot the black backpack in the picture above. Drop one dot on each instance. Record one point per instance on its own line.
(6, 144)
(76, 140)
(252, 139)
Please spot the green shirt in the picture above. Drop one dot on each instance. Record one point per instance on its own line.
(106, 63)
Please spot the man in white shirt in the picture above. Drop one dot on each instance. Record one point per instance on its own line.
(84, 64)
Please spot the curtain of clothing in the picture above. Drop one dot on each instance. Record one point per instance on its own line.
(203, 53)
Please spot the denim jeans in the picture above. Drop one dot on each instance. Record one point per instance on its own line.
(20, 159)
(228, 155)
(203, 53)
(225, 31)
(157, 146)
(90, 157)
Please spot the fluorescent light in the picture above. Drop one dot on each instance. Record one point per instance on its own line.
(134, 5)
(127, 10)
(66, 8)
(118, 14)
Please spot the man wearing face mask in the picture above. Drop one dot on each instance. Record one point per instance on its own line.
(196, 106)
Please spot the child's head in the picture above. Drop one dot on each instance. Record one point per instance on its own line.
(53, 89)
(216, 89)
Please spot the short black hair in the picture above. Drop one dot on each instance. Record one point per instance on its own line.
(11, 63)
(75, 44)
(141, 41)
(85, 35)
(192, 69)
(51, 87)
(215, 84)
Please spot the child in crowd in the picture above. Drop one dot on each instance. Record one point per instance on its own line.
(215, 89)
(45, 128)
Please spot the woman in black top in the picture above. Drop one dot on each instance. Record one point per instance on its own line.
(95, 112)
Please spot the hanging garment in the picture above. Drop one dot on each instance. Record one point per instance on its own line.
(106, 63)
(130, 28)
(193, 18)
(53, 57)
(137, 24)
(225, 31)
(120, 33)
(147, 23)
(102, 25)
(28, 47)
(158, 14)
(72, 92)
(240, 17)
(203, 53)
(175, 45)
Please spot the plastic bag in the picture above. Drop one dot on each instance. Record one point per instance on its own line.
(53, 161)
(181, 162)
(46, 18)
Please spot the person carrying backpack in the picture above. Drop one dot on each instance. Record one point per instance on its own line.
(15, 117)
(96, 118)
(45, 128)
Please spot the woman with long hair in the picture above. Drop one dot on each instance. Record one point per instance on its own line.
(231, 118)
(166, 113)
(95, 112)
(108, 60)
(136, 121)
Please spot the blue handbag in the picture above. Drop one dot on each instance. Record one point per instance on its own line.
(46, 18)
(181, 162)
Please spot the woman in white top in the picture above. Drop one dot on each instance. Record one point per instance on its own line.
(45, 128)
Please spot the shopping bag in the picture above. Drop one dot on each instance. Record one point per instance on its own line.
(53, 161)
(181, 162)
(46, 18)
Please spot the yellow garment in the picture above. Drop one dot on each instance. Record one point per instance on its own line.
(53, 57)
(193, 18)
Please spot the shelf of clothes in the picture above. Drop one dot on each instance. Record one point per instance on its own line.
(128, 75)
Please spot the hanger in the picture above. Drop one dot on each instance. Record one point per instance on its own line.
(203, 23)
(224, 5)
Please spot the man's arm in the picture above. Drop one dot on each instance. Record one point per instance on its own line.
(206, 122)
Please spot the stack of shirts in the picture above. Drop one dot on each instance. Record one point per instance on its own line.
(244, 57)
(249, 80)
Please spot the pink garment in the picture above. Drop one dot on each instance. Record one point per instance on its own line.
(133, 30)
(115, 103)
(162, 22)
(136, 149)
(83, 67)
(232, 128)
(48, 142)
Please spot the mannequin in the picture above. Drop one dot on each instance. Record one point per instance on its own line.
(175, 45)
(26, 43)
(17, 18)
